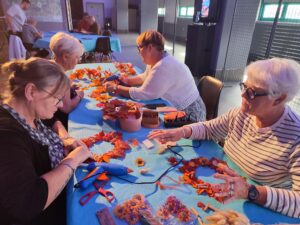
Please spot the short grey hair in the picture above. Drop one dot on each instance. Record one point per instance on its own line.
(277, 75)
(62, 43)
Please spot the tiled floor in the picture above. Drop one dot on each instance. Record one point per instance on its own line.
(230, 96)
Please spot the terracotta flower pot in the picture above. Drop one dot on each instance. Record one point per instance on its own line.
(131, 124)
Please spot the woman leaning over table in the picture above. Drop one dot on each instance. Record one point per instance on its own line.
(262, 137)
(164, 77)
(34, 164)
(67, 53)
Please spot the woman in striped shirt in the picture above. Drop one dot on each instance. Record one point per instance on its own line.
(262, 137)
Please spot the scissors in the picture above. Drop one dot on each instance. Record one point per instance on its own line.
(107, 194)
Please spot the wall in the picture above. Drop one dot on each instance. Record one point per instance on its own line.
(149, 16)
(234, 37)
(122, 15)
(109, 8)
(45, 12)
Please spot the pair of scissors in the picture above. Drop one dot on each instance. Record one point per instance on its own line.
(99, 189)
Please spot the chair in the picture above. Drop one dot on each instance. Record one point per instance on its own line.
(210, 89)
(104, 49)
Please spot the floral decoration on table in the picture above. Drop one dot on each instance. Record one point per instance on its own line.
(189, 174)
(129, 210)
(118, 109)
(97, 78)
(125, 68)
(174, 208)
(115, 138)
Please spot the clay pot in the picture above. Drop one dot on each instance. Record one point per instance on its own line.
(131, 124)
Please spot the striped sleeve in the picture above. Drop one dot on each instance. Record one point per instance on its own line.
(215, 129)
(283, 200)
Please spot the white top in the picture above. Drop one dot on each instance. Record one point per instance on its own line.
(167, 79)
(269, 155)
(18, 17)
(16, 49)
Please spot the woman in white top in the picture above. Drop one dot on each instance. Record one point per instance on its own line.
(262, 137)
(164, 78)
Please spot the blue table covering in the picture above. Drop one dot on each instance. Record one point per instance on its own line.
(86, 120)
(88, 41)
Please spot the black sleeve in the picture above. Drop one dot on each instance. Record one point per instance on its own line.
(23, 193)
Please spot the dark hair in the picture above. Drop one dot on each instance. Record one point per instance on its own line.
(151, 37)
(26, 1)
(15, 75)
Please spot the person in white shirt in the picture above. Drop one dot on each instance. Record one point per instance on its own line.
(164, 77)
(16, 17)
(262, 137)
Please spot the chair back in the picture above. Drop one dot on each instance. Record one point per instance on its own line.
(210, 89)
(103, 45)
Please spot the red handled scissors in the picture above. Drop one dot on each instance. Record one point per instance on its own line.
(107, 194)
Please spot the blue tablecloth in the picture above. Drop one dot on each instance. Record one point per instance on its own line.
(88, 41)
(86, 120)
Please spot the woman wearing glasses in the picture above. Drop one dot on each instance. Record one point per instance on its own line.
(262, 137)
(35, 166)
(164, 77)
(67, 53)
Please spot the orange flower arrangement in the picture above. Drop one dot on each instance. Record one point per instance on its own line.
(118, 109)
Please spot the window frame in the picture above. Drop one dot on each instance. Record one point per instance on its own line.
(282, 18)
(187, 9)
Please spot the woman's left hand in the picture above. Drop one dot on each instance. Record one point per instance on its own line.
(233, 188)
(110, 87)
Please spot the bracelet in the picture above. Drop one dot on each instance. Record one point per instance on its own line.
(183, 132)
(69, 166)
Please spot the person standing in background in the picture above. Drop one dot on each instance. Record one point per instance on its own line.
(15, 17)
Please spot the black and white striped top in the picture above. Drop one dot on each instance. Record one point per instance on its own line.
(269, 156)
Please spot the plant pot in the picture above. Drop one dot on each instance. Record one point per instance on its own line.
(131, 124)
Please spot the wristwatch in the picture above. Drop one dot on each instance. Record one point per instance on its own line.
(253, 193)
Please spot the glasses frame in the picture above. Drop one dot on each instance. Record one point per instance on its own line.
(52, 95)
(250, 93)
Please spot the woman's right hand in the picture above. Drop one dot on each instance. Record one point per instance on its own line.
(124, 79)
(167, 135)
(79, 155)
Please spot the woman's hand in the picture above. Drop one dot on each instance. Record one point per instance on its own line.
(80, 93)
(124, 79)
(110, 87)
(71, 143)
(167, 135)
(78, 155)
(233, 188)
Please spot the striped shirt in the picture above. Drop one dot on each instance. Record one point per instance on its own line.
(269, 156)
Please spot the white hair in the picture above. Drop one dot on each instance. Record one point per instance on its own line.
(278, 75)
(62, 43)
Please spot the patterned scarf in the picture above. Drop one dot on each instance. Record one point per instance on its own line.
(42, 135)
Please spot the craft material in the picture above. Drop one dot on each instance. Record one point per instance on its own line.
(198, 216)
(148, 144)
(107, 168)
(166, 109)
(139, 162)
(105, 217)
(163, 147)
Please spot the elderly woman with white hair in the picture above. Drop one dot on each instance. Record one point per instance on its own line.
(262, 137)
(67, 52)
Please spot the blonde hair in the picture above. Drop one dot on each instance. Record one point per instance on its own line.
(62, 43)
(277, 75)
(15, 75)
(151, 37)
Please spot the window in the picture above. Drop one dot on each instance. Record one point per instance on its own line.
(289, 12)
(161, 11)
(293, 12)
(270, 11)
(186, 11)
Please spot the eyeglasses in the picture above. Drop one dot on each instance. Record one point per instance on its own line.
(250, 93)
(52, 95)
(140, 47)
